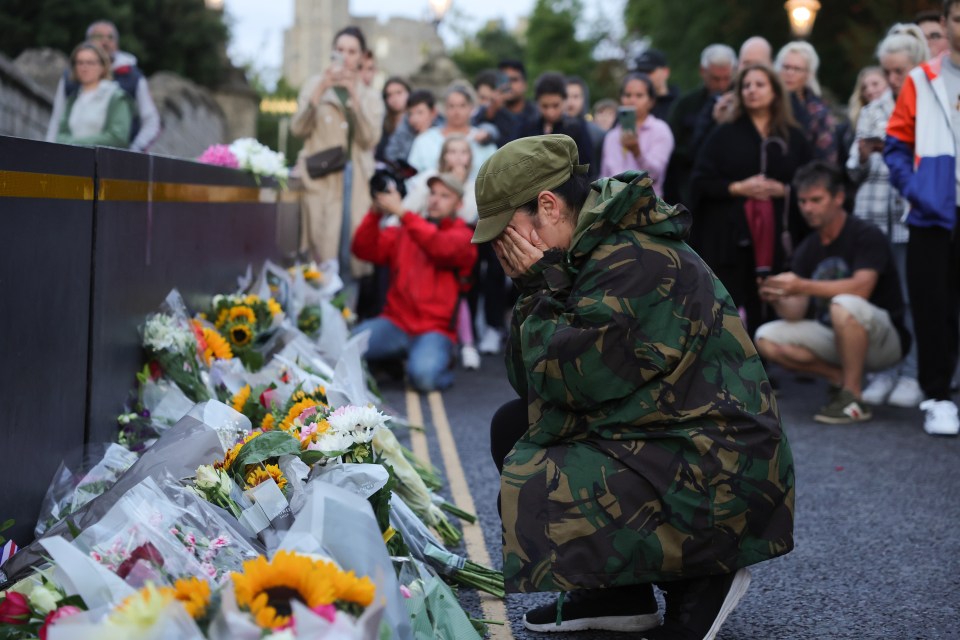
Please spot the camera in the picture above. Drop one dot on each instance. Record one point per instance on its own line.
(391, 175)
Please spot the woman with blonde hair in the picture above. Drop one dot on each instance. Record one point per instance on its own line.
(99, 114)
(878, 200)
(339, 117)
(871, 84)
(797, 64)
(744, 220)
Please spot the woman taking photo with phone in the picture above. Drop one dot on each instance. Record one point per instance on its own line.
(640, 140)
(741, 189)
(339, 117)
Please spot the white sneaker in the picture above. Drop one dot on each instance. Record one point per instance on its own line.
(907, 393)
(879, 389)
(941, 418)
(490, 342)
(469, 357)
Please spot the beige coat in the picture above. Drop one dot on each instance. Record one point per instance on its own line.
(322, 204)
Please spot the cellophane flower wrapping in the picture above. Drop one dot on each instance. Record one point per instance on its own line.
(82, 476)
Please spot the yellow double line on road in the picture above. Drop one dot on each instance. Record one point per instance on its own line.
(493, 608)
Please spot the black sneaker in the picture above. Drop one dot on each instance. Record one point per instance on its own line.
(632, 608)
(696, 609)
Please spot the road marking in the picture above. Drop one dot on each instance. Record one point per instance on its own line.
(418, 437)
(493, 608)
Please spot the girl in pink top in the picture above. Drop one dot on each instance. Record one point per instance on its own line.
(648, 146)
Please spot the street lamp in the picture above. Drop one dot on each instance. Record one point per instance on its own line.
(802, 14)
(214, 5)
(439, 8)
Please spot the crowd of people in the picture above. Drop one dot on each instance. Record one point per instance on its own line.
(729, 151)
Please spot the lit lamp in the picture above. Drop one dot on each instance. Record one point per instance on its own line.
(802, 14)
(439, 8)
(215, 5)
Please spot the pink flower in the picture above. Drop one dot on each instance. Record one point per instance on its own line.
(209, 569)
(14, 608)
(191, 539)
(220, 155)
(306, 413)
(96, 556)
(405, 591)
(307, 432)
(57, 614)
(326, 611)
(220, 542)
(269, 398)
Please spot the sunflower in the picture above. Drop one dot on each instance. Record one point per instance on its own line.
(261, 475)
(296, 410)
(346, 585)
(266, 589)
(274, 306)
(230, 457)
(240, 334)
(251, 300)
(194, 593)
(217, 348)
(222, 318)
(240, 398)
(243, 313)
(269, 422)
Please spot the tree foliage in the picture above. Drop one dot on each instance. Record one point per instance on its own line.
(484, 50)
(552, 42)
(182, 36)
(845, 34)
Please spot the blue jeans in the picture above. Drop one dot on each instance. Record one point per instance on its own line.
(428, 355)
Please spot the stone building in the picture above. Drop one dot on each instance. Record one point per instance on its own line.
(401, 45)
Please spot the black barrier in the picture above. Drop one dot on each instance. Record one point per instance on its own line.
(95, 239)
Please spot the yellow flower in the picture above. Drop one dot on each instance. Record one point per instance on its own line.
(142, 609)
(243, 313)
(295, 411)
(346, 585)
(194, 593)
(347, 314)
(261, 475)
(269, 422)
(251, 300)
(217, 347)
(241, 398)
(250, 436)
(312, 275)
(221, 318)
(230, 457)
(240, 335)
(274, 306)
(265, 589)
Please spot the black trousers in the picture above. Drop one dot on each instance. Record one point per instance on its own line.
(933, 280)
(508, 425)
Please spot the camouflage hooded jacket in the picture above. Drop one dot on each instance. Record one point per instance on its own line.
(654, 450)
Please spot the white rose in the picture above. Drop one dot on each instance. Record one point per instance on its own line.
(43, 599)
(207, 477)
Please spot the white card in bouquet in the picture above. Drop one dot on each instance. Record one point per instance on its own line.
(361, 479)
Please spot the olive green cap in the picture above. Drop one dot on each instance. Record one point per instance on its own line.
(516, 173)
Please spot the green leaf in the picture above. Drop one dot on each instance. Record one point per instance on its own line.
(73, 528)
(272, 444)
(6, 525)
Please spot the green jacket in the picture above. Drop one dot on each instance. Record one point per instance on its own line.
(116, 127)
(654, 449)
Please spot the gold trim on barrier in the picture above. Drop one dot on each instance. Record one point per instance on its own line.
(24, 184)
(137, 190)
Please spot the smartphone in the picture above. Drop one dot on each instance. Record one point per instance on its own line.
(503, 82)
(337, 59)
(627, 118)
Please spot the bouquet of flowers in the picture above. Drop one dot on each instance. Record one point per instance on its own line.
(219, 155)
(260, 160)
(172, 347)
(245, 322)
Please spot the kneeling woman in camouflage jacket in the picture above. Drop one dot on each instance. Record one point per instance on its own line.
(646, 446)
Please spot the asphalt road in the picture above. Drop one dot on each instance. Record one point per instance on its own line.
(877, 520)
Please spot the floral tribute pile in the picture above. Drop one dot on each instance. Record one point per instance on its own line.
(256, 491)
(249, 155)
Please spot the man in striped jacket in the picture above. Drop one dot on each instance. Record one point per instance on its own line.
(921, 151)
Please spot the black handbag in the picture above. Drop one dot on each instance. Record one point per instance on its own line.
(323, 163)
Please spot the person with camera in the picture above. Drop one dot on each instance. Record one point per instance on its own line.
(339, 118)
(841, 308)
(430, 260)
(640, 141)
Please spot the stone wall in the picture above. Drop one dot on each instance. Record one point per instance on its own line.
(24, 105)
(192, 119)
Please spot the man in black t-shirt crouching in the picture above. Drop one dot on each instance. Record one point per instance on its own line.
(841, 307)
